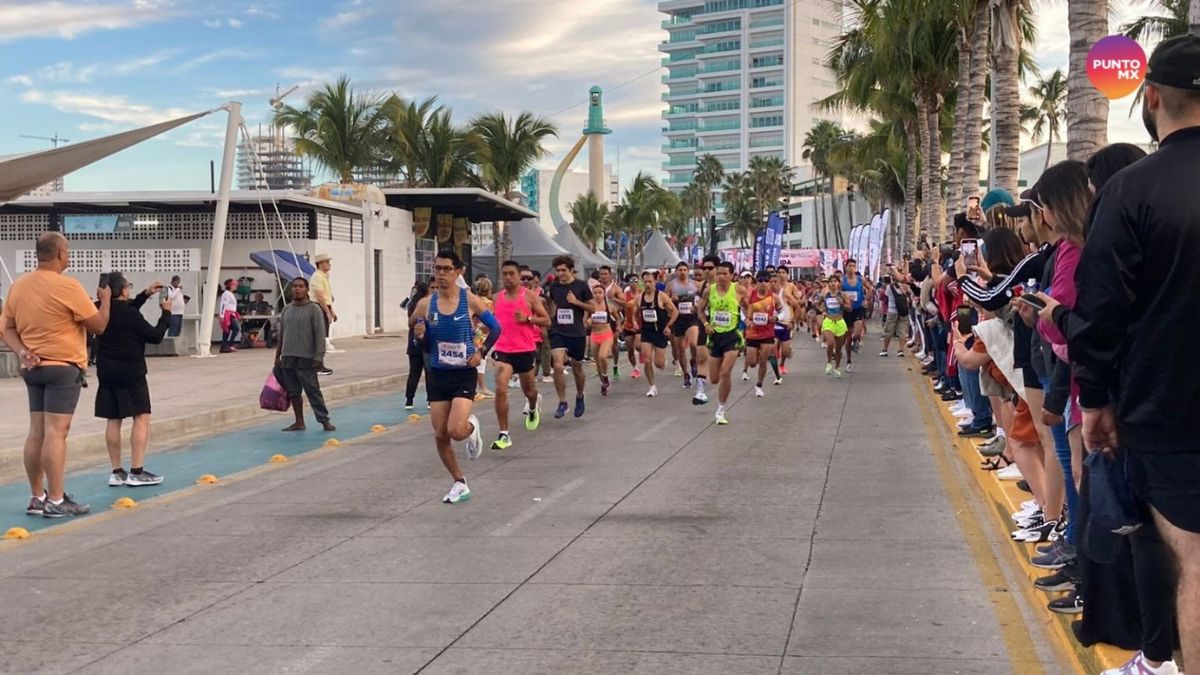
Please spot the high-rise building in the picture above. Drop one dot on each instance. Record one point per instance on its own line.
(276, 167)
(742, 77)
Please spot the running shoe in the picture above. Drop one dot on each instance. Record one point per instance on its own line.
(533, 418)
(1071, 603)
(849, 367)
(547, 379)
(1010, 472)
(995, 447)
(1138, 665)
(973, 431)
(720, 416)
(854, 346)
(837, 374)
(783, 370)
(1028, 508)
(828, 368)
(35, 506)
(604, 385)
(678, 371)
(68, 507)
(1061, 580)
(561, 410)
(745, 376)
(475, 440)
(579, 406)
(778, 381)
(687, 381)
(899, 354)
(117, 478)
(700, 398)
(1037, 535)
(514, 382)
(458, 493)
(635, 374)
(652, 392)
(883, 353)
(408, 405)
(1056, 558)
(142, 479)
(758, 392)
(502, 442)
(616, 373)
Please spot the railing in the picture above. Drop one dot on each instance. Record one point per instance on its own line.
(684, 161)
(761, 83)
(720, 47)
(766, 23)
(721, 66)
(722, 27)
(677, 147)
(772, 42)
(769, 142)
(720, 125)
(680, 74)
(733, 85)
(767, 62)
(722, 106)
(766, 102)
(766, 122)
(676, 21)
(717, 147)
(681, 125)
(713, 6)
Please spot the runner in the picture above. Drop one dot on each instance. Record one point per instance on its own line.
(603, 323)
(815, 309)
(719, 309)
(442, 324)
(763, 308)
(833, 328)
(521, 316)
(745, 282)
(789, 304)
(856, 288)
(708, 277)
(616, 297)
(658, 315)
(571, 299)
(630, 329)
(686, 333)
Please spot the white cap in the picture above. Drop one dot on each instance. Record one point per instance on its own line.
(461, 283)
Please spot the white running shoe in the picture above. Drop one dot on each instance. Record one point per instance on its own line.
(828, 368)
(475, 440)
(849, 367)
(1139, 666)
(720, 416)
(678, 371)
(964, 414)
(759, 393)
(514, 382)
(779, 380)
(837, 374)
(883, 353)
(700, 398)
(1010, 472)
(652, 392)
(745, 376)
(458, 493)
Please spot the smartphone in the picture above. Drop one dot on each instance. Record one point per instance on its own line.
(1033, 301)
(965, 324)
(970, 252)
(103, 283)
(162, 295)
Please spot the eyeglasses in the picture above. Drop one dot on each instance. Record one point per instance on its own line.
(443, 268)
(708, 268)
(526, 278)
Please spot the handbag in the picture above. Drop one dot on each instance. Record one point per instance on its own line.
(273, 396)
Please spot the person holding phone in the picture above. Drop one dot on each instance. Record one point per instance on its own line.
(179, 300)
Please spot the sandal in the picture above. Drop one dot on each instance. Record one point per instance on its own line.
(996, 463)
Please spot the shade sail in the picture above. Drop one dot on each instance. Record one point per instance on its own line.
(21, 173)
(284, 263)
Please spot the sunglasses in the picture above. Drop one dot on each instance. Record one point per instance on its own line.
(526, 278)
(708, 268)
(443, 268)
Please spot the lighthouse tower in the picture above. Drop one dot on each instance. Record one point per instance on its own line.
(595, 132)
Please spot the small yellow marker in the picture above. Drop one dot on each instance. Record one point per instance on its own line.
(17, 533)
(278, 459)
(124, 503)
(378, 428)
(207, 479)
(333, 443)
(414, 417)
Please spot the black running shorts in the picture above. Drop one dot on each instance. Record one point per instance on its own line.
(447, 384)
(576, 346)
(1170, 482)
(521, 362)
(721, 343)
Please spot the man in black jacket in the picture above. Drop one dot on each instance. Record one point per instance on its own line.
(121, 370)
(1133, 346)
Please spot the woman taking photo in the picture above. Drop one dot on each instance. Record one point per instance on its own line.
(121, 369)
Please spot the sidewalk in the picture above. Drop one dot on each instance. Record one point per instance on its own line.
(194, 395)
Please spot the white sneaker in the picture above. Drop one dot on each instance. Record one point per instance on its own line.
(720, 416)
(514, 382)
(759, 393)
(1027, 509)
(849, 367)
(837, 374)
(678, 371)
(547, 379)
(966, 422)
(964, 414)
(700, 398)
(1010, 472)
(957, 406)
(883, 353)
(652, 392)
(475, 440)
(458, 493)
(745, 376)
(1139, 666)
(779, 380)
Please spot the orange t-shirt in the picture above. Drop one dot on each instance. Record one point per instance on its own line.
(49, 309)
(760, 318)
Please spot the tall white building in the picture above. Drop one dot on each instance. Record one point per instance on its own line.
(742, 76)
(276, 167)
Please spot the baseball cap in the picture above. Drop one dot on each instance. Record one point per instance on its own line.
(1176, 63)
(1029, 200)
(994, 197)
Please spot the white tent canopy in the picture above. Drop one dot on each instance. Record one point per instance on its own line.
(586, 259)
(21, 173)
(530, 246)
(658, 253)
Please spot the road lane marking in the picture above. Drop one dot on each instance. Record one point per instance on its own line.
(533, 511)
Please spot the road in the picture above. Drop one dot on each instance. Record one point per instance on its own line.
(816, 533)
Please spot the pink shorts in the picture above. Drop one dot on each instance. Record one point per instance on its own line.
(601, 338)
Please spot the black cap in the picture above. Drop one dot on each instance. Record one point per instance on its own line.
(1024, 209)
(1176, 63)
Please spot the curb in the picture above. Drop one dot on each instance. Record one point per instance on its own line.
(87, 449)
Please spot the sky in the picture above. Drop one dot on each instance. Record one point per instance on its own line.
(86, 68)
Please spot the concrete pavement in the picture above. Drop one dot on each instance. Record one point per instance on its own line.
(814, 534)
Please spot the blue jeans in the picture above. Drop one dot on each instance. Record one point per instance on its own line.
(979, 404)
(175, 327)
(1062, 450)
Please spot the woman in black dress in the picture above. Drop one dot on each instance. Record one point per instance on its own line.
(416, 354)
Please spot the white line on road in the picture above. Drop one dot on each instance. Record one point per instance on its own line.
(531, 512)
(650, 433)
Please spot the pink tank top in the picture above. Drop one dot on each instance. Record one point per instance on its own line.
(515, 337)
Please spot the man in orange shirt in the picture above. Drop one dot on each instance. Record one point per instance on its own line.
(46, 320)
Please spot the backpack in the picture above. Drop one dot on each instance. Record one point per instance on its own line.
(901, 302)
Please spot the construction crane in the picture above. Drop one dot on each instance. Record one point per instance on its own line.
(53, 139)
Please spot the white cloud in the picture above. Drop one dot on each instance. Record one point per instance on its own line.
(66, 71)
(21, 80)
(261, 12)
(234, 22)
(111, 108)
(55, 18)
(212, 23)
(230, 53)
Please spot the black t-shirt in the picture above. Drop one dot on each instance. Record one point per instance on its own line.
(567, 319)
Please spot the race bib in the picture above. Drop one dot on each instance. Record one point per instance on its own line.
(853, 295)
(722, 319)
(833, 304)
(649, 316)
(600, 317)
(452, 353)
(566, 316)
(685, 308)
(760, 318)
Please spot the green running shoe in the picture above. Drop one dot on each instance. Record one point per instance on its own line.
(533, 418)
(502, 442)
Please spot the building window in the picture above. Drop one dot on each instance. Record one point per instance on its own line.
(426, 248)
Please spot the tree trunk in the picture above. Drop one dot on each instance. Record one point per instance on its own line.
(973, 135)
(1194, 17)
(933, 167)
(1087, 108)
(911, 187)
(837, 225)
(1006, 104)
(959, 138)
(496, 241)
(1049, 150)
(925, 226)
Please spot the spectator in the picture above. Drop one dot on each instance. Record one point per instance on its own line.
(178, 300)
(321, 292)
(416, 354)
(301, 354)
(123, 392)
(46, 319)
(483, 288)
(259, 306)
(230, 319)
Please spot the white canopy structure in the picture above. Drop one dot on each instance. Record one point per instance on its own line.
(21, 173)
(658, 253)
(586, 259)
(530, 246)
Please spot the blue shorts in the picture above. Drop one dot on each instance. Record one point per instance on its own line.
(783, 333)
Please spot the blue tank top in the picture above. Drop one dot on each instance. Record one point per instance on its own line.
(855, 291)
(450, 336)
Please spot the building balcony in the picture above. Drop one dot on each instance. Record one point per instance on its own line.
(770, 43)
(677, 163)
(714, 126)
(719, 147)
(674, 96)
(679, 149)
(675, 45)
(764, 24)
(683, 75)
(766, 103)
(717, 110)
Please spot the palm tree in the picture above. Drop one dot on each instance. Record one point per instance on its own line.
(741, 207)
(338, 129)
(771, 181)
(447, 154)
(620, 224)
(974, 88)
(1050, 96)
(407, 128)
(1086, 107)
(673, 221)
(648, 203)
(708, 175)
(1155, 27)
(818, 144)
(1007, 37)
(694, 200)
(508, 148)
(589, 215)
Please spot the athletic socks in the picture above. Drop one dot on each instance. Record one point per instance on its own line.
(774, 365)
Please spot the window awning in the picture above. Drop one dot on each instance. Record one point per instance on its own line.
(475, 204)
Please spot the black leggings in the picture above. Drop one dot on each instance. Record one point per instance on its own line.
(416, 366)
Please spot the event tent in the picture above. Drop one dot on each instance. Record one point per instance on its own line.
(658, 253)
(530, 246)
(585, 259)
